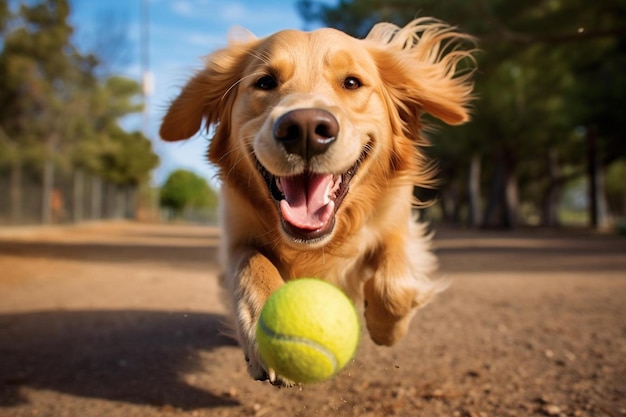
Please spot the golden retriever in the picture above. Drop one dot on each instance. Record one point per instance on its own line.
(317, 140)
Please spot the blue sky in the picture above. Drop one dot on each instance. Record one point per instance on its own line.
(181, 33)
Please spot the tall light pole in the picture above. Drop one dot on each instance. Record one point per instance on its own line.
(146, 76)
(147, 83)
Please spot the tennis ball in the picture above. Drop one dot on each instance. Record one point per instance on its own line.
(308, 330)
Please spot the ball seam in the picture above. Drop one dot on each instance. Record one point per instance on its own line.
(323, 349)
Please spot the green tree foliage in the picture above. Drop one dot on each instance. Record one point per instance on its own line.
(4, 15)
(105, 148)
(183, 189)
(547, 70)
(53, 107)
(35, 68)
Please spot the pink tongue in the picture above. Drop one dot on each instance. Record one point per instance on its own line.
(306, 205)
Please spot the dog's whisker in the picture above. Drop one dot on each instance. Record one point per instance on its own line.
(236, 83)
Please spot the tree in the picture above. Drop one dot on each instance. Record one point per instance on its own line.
(545, 69)
(105, 149)
(55, 112)
(4, 15)
(184, 189)
(615, 189)
(36, 67)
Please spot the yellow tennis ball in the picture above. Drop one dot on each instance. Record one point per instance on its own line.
(308, 330)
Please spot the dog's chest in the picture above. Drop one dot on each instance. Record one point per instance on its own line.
(348, 269)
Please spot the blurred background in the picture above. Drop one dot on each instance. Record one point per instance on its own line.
(83, 85)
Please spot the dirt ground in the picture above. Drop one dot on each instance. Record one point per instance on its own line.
(125, 319)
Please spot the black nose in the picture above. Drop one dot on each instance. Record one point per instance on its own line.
(306, 132)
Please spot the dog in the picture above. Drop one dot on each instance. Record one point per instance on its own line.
(317, 138)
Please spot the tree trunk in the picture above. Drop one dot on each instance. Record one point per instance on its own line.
(131, 202)
(52, 202)
(601, 202)
(16, 192)
(511, 201)
(491, 209)
(79, 195)
(119, 194)
(492, 216)
(450, 203)
(446, 206)
(502, 210)
(96, 198)
(598, 216)
(47, 189)
(550, 203)
(473, 187)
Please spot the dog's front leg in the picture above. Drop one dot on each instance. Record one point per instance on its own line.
(392, 295)
(251, 280)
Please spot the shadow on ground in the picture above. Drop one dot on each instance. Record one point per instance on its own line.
(130, 356)
(504, 252)
(190, 256)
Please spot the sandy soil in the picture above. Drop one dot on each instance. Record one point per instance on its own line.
(124, 320)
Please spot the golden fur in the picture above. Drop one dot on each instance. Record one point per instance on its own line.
(375, 89)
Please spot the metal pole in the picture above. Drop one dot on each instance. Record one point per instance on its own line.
(145, 62)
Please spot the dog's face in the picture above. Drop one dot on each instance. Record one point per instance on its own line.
(309, 112)
(318, 123)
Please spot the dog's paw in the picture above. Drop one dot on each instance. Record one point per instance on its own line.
(279, 381)
(386, 329)
(258, 371)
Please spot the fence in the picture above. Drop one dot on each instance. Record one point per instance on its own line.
(55, 195)
(51, 195)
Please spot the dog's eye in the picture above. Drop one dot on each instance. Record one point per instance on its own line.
(266, 82)
(352, 83)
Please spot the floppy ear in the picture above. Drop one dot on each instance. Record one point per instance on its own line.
(418, 64)
(207, 95)
(184, 116)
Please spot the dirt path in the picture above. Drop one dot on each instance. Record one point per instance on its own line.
(124, 320)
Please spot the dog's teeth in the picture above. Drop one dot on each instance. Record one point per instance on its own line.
(279, 185)
(336, 185)
(327, 193)
(331, 189)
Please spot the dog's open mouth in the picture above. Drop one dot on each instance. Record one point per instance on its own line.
(308, 202)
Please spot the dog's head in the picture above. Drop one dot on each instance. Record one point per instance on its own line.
(309, 116)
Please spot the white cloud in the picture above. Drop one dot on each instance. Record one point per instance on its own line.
(245, 13)
(205, 40)
(234, 12)
(183, 8)
(202, 9)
